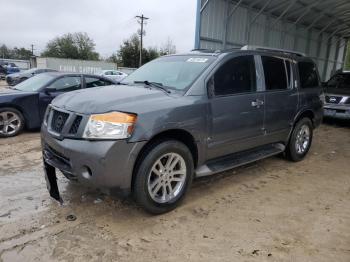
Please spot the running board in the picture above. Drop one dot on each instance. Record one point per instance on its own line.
(238, 159)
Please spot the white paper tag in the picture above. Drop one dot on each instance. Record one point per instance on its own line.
(197, 60)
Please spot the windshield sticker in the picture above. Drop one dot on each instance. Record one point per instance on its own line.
(197, 60)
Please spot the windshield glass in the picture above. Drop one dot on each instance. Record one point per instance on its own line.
(173, 72)
(340, 81)
(35, 83)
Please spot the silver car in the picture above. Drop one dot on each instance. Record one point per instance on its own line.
(114, 75)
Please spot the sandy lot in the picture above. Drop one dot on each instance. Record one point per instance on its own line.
(272, 210)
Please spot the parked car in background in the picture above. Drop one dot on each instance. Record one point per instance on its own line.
(3, 72)
(114, 75)
(183, 116)
(10, 67)
(25, 104)
(16, 78)
(337, 96)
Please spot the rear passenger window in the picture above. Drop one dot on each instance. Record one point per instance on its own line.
(236, 76)
(275, 73)
(94, 82)
(308, 75)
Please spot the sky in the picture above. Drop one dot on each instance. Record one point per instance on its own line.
(107, 22)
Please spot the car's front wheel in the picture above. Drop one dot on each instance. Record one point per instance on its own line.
(11, 122)
(300, 140)
(163, 176)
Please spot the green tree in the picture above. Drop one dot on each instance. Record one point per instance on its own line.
(129, 53)
(15, 53)
(72, 45)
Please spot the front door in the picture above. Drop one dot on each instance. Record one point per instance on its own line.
(237, 109)
(58, 87)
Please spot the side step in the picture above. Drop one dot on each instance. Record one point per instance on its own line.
(238, 159)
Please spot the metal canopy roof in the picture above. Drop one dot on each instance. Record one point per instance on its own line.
(330, 16)
(319, 28)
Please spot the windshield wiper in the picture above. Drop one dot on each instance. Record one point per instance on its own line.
(153, 84)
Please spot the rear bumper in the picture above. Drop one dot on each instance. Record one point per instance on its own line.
(100, 164)
(337, 111)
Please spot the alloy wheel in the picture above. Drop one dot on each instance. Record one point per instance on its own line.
(10, 123)
(302, 139)
(167, 177)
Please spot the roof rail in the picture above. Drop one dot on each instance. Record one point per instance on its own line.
(253, 47)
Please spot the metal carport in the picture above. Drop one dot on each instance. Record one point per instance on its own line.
(319, 28)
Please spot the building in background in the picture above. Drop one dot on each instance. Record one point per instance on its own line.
(318, 28)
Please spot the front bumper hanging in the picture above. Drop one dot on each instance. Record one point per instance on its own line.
(51, 182)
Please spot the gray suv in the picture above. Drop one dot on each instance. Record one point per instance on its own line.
(337, 96)
(180, 117)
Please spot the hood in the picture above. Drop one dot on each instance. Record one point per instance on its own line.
(123, 98)
(15, 92)
(338, 91)
(13, 75)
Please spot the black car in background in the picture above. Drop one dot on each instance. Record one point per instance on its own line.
(24, 105)
(337, 96)
(16, 78)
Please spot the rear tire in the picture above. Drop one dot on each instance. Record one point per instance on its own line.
(300, 140)
(163, 176)
(11, 122)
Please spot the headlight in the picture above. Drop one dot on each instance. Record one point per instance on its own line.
(114, 125)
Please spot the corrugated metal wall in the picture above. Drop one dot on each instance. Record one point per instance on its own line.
(327, 51)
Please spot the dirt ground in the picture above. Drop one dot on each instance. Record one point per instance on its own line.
(272, 210)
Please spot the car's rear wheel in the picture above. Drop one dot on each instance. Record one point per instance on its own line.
(300, 140)
(163, 176)
(11, 122)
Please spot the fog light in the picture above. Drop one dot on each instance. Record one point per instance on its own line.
(86, 172)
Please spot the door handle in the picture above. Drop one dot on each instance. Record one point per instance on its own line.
(257, 103)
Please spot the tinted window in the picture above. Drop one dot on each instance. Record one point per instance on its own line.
(94, 82)
(340, 81)
(308, 74)
(236, 76)
(275, 73)
(67, 83)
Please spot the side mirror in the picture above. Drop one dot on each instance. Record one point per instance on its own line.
(48, 91)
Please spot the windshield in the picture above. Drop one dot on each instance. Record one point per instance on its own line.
(35, 83)
(173, 72)
(339, 81)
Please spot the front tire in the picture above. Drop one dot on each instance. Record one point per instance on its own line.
(163, 176)
(300, 140)
(11, 122)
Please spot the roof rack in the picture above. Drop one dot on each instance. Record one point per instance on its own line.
(253, 47)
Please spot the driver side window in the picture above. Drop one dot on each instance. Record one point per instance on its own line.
(236, 76)
(66, 84)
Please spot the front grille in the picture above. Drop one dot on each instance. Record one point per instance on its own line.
(75, 126)
(333, 99)
(58, 121)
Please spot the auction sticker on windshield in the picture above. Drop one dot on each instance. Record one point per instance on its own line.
(197, 60)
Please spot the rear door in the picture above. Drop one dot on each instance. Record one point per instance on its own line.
(236, 107)
(281, 97)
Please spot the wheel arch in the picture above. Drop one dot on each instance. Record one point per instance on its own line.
(305, 113)
(18, 108)
(172, 134)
